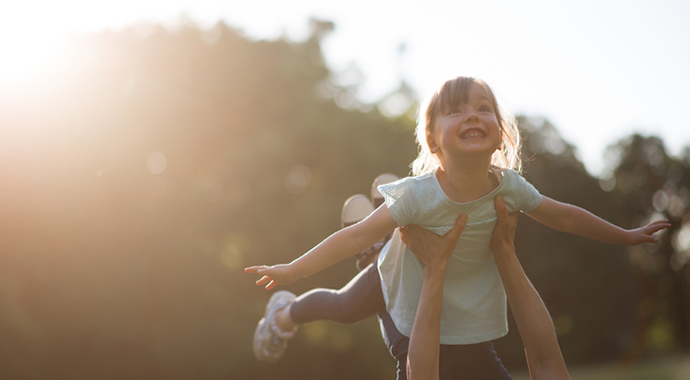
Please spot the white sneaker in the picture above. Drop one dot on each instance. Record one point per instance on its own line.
(270, 342)
(383, 179)
(355, 208)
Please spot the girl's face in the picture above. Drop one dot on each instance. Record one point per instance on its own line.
(466, 129)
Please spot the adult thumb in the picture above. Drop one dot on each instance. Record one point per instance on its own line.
(459, 225)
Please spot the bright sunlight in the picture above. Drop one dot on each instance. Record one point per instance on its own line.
(29, 47)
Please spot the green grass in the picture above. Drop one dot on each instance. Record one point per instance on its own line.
(668, 368)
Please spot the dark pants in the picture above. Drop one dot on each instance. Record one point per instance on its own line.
(462, 361)
(362, 297)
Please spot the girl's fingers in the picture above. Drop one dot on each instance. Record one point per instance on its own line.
(657, 226)
(264, 280)
(254, 269)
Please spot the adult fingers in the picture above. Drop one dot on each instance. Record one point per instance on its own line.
(403, 234)
(459, 226)
(410, 232)
(501, 210)
(509, 220)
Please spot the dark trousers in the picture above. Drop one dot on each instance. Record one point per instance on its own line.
(362, 297)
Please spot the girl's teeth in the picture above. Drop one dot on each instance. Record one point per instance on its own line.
(472, 134)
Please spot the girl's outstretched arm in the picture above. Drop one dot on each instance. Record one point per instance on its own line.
(339, 246)
(576, 220)
(543, 353)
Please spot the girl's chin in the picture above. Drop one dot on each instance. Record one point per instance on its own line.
(477, 149)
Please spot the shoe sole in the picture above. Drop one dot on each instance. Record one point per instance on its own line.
(355, 208)
(383, 179)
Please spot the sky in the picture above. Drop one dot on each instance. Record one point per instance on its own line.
(597, 70)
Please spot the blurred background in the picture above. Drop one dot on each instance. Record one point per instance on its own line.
(147, 158)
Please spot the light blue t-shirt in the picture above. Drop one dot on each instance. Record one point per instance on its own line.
(474, 301)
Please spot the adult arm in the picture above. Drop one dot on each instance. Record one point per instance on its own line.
(543, 353)
(536, 328)
(433, 251)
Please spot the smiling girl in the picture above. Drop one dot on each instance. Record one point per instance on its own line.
(469, 154)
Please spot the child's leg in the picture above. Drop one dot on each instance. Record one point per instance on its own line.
(360, 298)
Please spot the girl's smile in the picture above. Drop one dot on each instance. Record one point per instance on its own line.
(472, 133)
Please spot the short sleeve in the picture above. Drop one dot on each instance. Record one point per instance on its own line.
(530, 197)
(522, 195)
(399, 197)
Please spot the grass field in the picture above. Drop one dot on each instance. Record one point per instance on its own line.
(669, 368)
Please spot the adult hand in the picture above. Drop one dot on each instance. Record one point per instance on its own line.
(504, 231)
(429, 248)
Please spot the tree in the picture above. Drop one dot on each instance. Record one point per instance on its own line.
(148, 171)
(655, 185)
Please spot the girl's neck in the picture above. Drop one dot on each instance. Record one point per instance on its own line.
(465, 183)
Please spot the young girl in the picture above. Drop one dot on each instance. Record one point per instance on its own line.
(469, 154)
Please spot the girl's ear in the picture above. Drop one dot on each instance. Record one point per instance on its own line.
(433, 147)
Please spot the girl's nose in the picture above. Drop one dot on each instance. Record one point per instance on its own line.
(472, 116)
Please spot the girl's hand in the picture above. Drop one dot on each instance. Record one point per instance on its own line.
(645, 234)
(272, 275)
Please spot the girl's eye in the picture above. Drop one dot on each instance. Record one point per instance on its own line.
(484, 109)
(453, 112)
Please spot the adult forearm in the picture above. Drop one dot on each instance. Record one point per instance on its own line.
(534, 323)
(423, 354)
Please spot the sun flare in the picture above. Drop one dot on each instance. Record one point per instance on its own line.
(26, 54)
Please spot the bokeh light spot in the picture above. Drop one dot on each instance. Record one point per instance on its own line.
(298, 179)
(157, 162)
(681, 241)
(340, 339)
(563, 325)
(232, 256)
(661, 336)
(608, 184)
(660, 201)
(315, 332)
